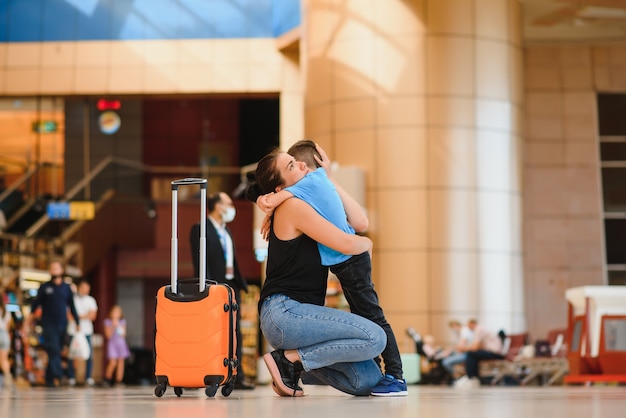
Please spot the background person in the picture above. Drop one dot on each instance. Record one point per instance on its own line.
(55, 298)
(486, 345)
(464, 337)
(221, 261)
(117, 348)
(87, 309)
(5, 342)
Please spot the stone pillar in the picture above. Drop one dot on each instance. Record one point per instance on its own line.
(425, 96)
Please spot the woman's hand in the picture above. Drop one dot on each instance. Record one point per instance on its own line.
(265, 227)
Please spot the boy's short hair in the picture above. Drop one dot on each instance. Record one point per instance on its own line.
(304, 150)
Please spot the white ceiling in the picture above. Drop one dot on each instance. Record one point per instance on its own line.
(574, 20)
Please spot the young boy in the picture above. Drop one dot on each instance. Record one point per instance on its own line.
(353, 272)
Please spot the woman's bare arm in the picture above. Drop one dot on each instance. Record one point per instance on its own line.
(295, 216)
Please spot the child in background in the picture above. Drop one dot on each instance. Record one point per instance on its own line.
(354, 272)
(434, 351)
(117, 348)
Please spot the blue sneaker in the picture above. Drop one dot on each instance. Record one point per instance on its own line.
(390, 386)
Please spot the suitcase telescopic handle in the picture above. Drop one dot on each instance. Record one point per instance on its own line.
(202, 256)
(189, 181)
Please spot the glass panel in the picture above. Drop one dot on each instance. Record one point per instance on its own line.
(615, 334)
(617, 278)
(613, 151)
(614, 189)
(615, 233)
(611, 112)
(576, 335)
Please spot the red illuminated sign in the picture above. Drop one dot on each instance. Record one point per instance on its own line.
(104, 104)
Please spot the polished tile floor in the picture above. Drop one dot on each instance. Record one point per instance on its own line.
(319, 402)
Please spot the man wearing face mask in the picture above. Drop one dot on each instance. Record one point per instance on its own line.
(221, 260)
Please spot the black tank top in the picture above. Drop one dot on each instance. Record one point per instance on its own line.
(294, 269)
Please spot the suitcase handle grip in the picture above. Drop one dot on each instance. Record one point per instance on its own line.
(174, 242)
(189, 181)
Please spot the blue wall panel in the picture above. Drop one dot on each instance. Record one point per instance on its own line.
(95, 23)
(58, 20)
(25, 21)
(285, 16)
(78, 20)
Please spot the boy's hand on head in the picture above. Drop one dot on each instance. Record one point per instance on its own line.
(324, 161)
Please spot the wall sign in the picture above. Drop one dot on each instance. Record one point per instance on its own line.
(109, 122)
(44, 126)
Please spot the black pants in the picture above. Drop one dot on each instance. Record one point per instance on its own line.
(355, 276)
(474, 357)
(54, 335)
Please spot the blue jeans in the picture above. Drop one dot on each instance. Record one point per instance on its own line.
(335, 347)
(355, 276)
(89, 362)
(453, 359)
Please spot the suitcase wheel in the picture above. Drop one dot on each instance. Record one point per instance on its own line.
(227, 390)
(159, 390)
(210, 391)
(178, 391)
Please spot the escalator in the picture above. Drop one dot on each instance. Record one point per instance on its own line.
(119, 221)
(20, 219)
(12, 201)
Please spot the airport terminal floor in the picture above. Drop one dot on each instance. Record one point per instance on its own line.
(324, 402)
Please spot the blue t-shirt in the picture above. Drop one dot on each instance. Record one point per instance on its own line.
(318, 191)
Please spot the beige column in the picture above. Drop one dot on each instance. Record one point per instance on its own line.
(424, 95)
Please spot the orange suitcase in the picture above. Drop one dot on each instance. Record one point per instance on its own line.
(194, 339)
